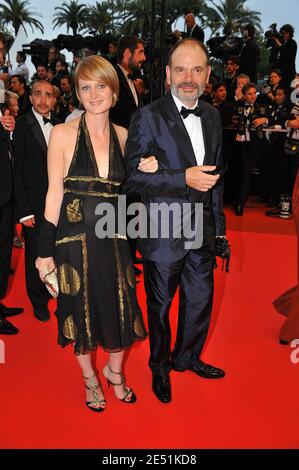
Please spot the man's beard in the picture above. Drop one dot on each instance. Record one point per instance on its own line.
(198, 91)
(135, 66)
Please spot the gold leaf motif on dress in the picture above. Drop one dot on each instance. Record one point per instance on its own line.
(74, 211)
(69, 279)
(69, 329)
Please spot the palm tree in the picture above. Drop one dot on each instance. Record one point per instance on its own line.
(178, 8)
(17, 14)
(73, 15)
(231, 16)
(133, 17)
(100, 17)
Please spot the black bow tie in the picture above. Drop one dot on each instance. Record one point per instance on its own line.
(247, 106)
(130, 76)
(185, 112)
(46, 120)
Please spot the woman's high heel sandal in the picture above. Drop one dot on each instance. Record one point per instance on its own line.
(96, 404)
(129, 396)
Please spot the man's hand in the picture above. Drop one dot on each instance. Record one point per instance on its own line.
(148, 164)
(238, 94)
(294, 123)
(7, 121)
(29, 222)
(197, 179)
(259, 121)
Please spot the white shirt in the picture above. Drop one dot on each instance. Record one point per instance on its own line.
(74, 115)
(194, 129)
(21, 69)
(46, 130)
(130, 83)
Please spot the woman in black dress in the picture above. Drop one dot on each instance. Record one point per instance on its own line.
(97, 303)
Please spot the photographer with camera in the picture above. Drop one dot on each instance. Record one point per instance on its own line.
(247, 145)
(287, 53)
(250, 54)
(267, 94)
(275, 160)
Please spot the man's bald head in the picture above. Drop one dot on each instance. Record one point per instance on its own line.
(190, 20)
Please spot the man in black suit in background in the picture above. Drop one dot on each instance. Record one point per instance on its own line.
(250, 54)
(30, 141)
(185, 135)
(130, 59)
(193, 30)
(7, 124)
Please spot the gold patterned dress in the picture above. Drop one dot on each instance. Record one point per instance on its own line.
(97, 303)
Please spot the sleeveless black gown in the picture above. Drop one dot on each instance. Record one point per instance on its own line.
(97, 303)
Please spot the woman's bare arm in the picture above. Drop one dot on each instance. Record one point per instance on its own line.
(55, 173)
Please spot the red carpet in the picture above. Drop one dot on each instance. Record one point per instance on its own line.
(254, 406)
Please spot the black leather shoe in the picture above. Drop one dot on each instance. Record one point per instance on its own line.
(273, 212)
(239, 210)
(161, 388)
(7, 328)
(41, 313)
(10, 312)
(203, 370)
(283, 342)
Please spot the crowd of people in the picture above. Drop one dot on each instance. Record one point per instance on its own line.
(65, 148)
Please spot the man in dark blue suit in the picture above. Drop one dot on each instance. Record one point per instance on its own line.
(185, 135)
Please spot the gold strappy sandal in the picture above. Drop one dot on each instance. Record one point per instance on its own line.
(129, 396)
(96, 397)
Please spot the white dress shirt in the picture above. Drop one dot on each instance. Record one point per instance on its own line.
(194, 129)
(130, 83)
(21, 69)
(46, 130)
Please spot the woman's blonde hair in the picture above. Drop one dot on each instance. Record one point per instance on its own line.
(98, 69)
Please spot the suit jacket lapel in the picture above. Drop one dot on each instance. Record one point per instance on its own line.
(179, 130)
(207, 131)
(36, 131)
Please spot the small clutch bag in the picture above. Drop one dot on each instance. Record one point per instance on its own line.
(51, 283)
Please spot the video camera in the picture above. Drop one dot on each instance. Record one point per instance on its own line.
(76, 43)
(270, 37)
(272, 34)
(221, 47)
(38, 49)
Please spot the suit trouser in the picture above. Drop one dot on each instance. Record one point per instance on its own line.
(6, 240)
(193, 274)
(244, 159)
(36, 289)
